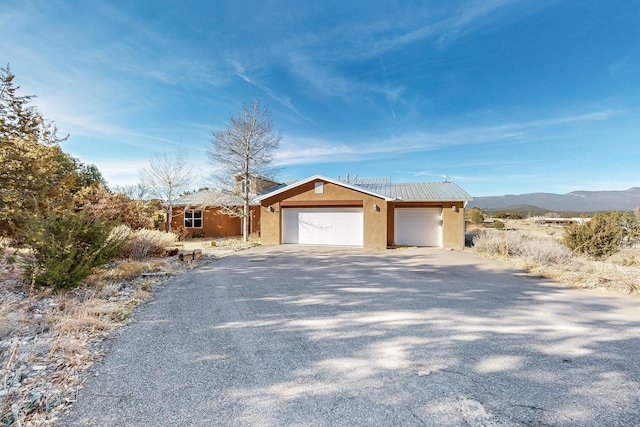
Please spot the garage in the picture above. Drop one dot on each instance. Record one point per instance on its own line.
(418, 227)
(323, 226)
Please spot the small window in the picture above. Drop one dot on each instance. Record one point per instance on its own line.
(192, 218)
(319, 187)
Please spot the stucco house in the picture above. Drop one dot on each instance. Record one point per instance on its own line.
(364, 212)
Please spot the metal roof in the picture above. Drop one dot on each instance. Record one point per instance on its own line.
(383, 188)
(357, 180)
(420, 191)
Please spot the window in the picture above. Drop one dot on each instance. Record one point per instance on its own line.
(192, 218)
(319, 187)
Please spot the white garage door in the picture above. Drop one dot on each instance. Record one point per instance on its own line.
(417, 227)
(323, 226)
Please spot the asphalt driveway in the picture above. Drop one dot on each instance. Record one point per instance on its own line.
(336, 337)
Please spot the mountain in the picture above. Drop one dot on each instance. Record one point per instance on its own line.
(576, 201)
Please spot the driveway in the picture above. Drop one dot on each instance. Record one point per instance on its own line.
(306, 336)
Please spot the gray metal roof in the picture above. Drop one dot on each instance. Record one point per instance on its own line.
(420, 191)
(428, 191)
(357, 180)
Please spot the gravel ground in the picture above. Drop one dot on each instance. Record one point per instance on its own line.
(278, 336)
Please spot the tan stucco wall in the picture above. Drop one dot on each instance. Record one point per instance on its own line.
(270, 225)
(375, 221)
(453, 226)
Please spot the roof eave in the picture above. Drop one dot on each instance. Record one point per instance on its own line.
(461, 199)
(323, 178)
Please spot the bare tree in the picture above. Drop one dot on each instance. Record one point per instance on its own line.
(137, 191)
(244, 149)
(166, 178)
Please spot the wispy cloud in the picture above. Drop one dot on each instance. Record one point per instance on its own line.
(282, 99)
(297, 151)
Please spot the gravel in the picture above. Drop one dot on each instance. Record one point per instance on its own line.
(299, 335)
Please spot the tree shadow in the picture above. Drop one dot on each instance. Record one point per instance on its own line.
(316, 336)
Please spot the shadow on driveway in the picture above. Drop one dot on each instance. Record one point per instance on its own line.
(317, 336)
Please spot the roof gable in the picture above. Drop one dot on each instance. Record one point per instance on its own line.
(325, 179)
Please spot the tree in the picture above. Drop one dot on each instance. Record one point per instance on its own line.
(476, 215)
(242, 150)
(36, 175)
(137, 191)
(166, 178)
(116, 208)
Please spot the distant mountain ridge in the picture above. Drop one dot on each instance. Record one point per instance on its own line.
(577, 201)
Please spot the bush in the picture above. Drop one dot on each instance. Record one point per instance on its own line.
(498, 225)
(513, 244)
(143, 243)
(600, 237)
(476, 216)
(66, 249)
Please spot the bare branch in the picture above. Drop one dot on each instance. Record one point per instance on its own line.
(167, 176)
(243, 150)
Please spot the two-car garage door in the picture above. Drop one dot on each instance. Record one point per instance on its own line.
(323, 226)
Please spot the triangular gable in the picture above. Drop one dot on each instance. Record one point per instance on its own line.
(322, 178)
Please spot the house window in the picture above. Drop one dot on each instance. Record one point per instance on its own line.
(192, 218)
(319, 187)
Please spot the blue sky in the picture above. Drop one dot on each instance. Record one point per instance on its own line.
(503, 97)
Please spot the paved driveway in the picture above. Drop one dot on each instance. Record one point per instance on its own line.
(333, 337)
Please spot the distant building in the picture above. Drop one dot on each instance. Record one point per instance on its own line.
(563, 222)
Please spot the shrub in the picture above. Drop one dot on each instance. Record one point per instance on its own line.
(498, 225)
(513, 244)
(599, 237)
(143, 243)
(66, 249)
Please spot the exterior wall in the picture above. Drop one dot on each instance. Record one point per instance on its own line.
(255, 220)
(375, 221)
(214, 223)
(271, 225)
(453, 226)
(257, 184)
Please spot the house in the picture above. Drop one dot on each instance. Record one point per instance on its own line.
(364, 212)
(215, 213)
(563, 222)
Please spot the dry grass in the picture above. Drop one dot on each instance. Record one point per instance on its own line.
(235, 244)
(47, 340)
(546, 257)
(143, 243)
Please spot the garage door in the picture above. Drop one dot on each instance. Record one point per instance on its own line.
(323, 226)
(417, 227)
